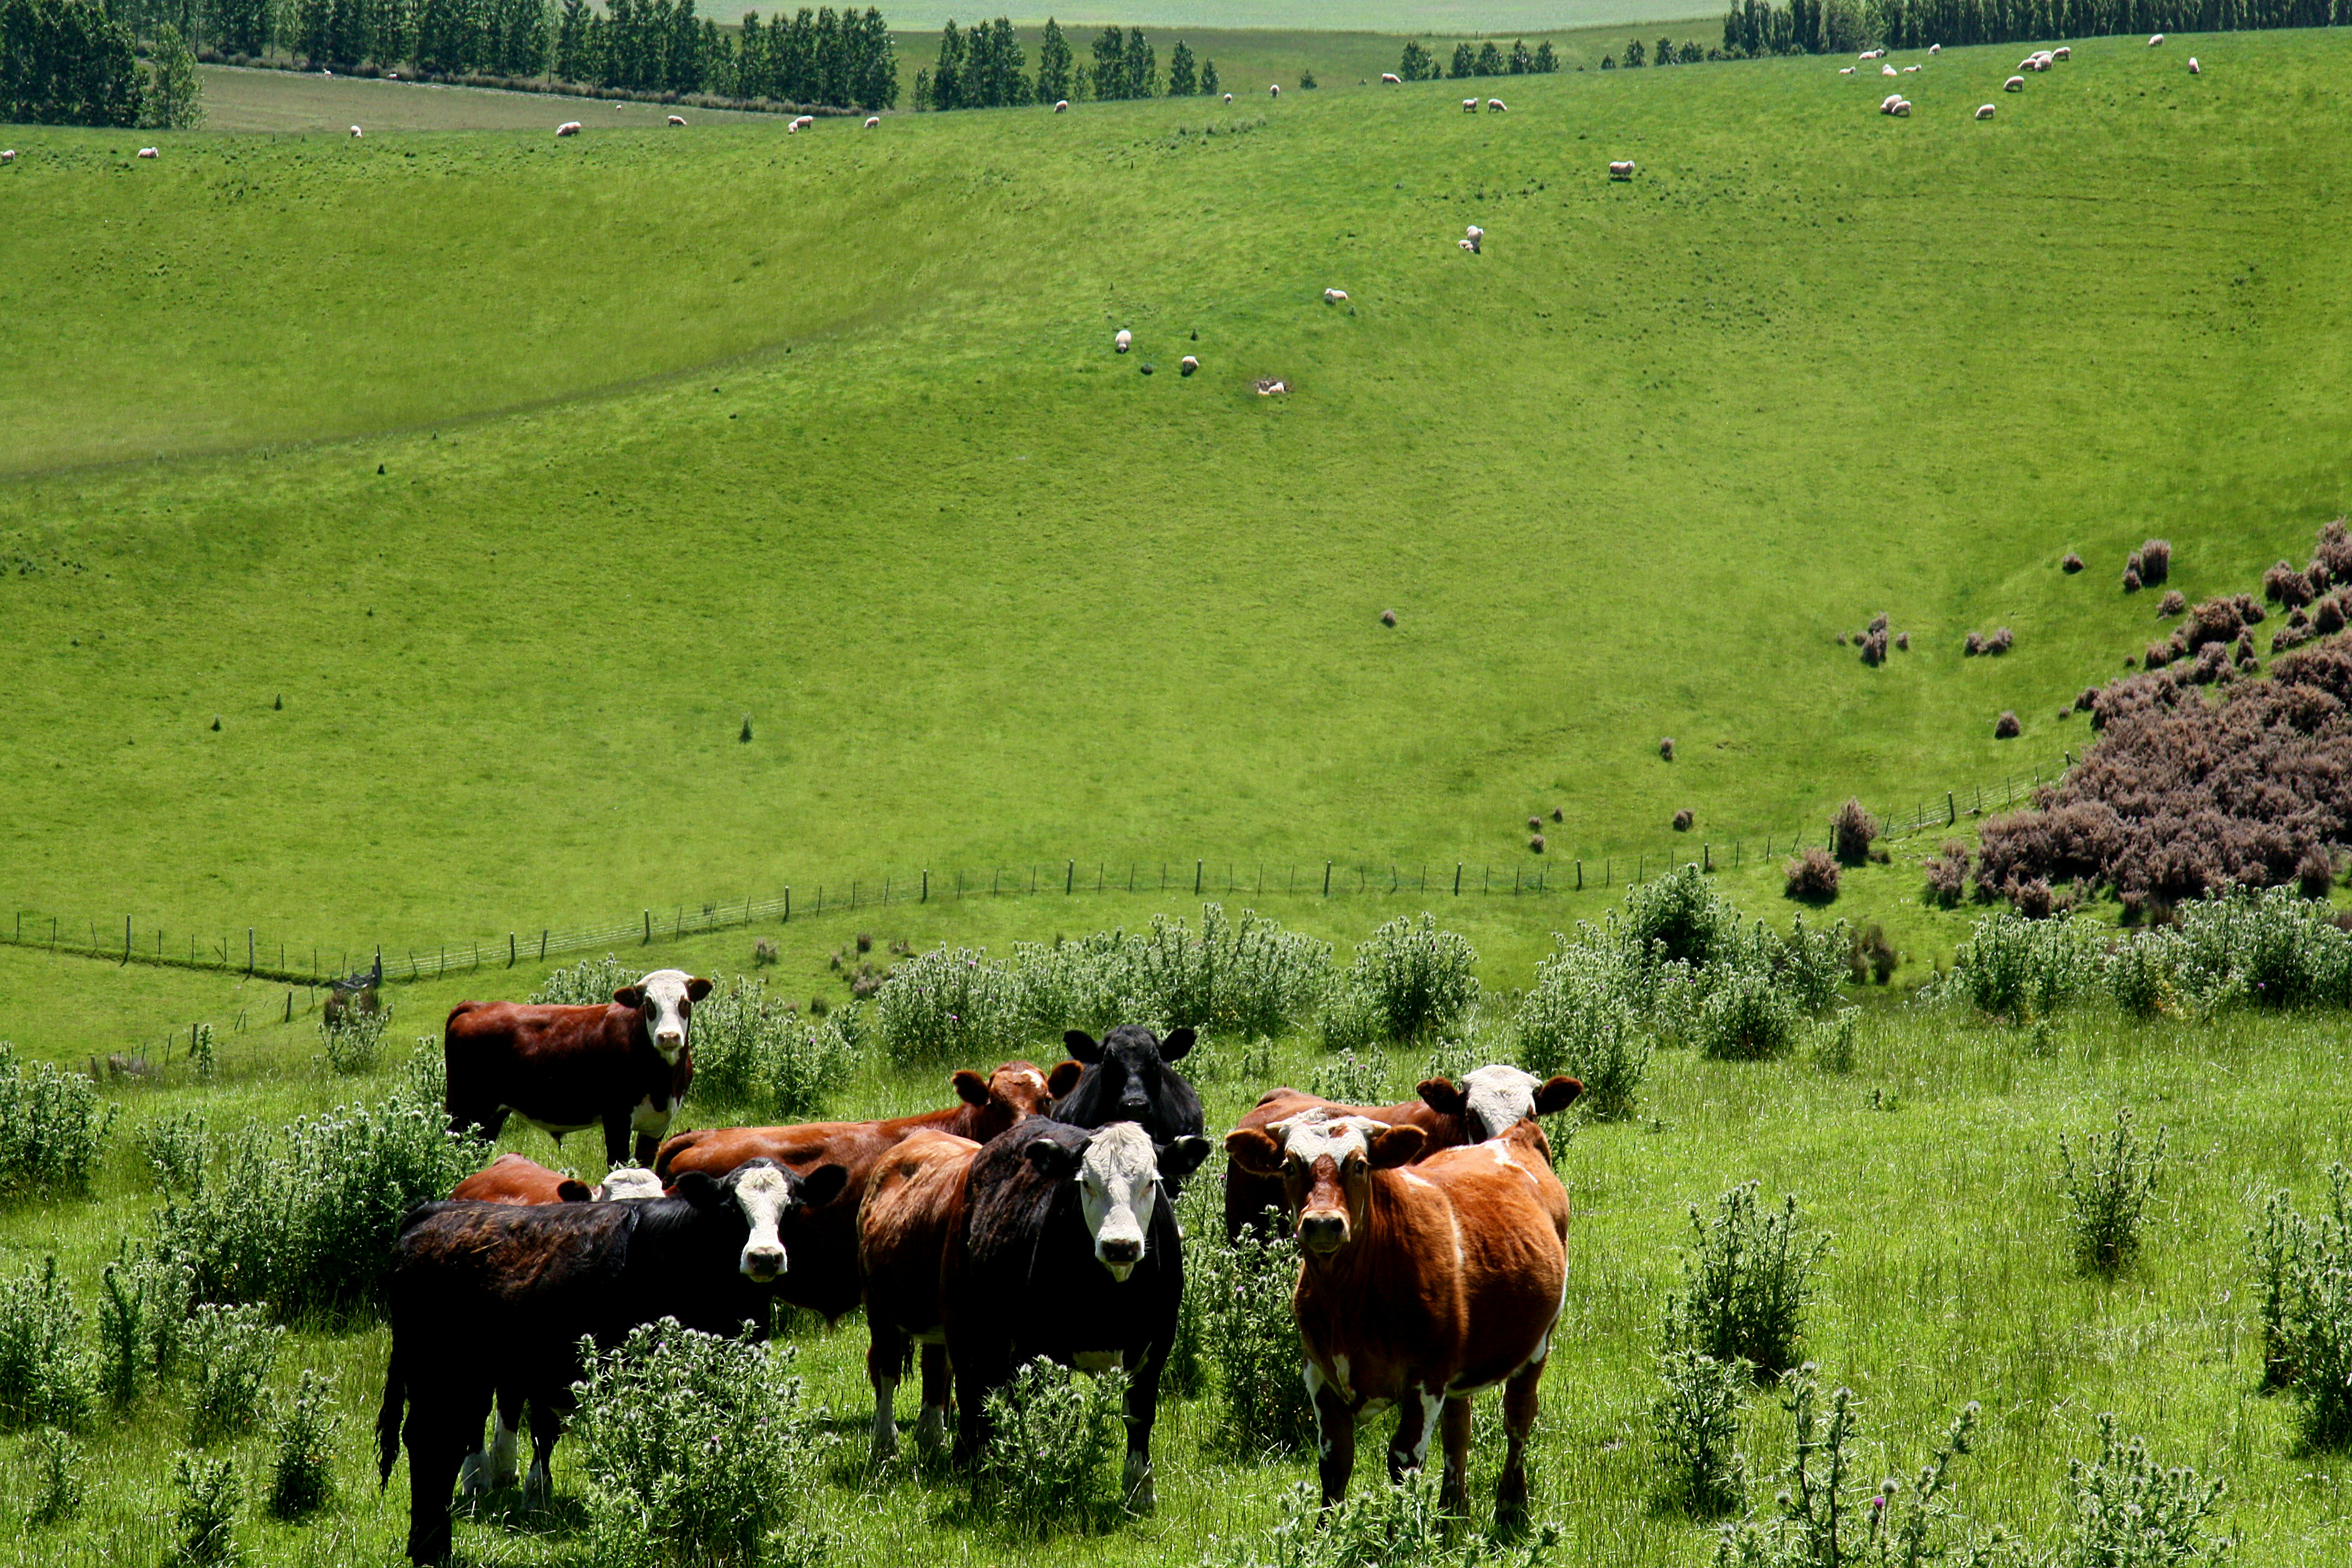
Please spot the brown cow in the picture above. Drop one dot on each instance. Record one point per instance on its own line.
(1487, 1103)
(625, 1064)
(825, 1275)
(517, 1178)
(913, 1210)
(1419, 1284)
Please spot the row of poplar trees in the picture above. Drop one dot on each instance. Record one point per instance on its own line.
(71, 62)
(983, 67)
(1837, 26)
(1488, 60)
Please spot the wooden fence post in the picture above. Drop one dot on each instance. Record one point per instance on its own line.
(1327, 878)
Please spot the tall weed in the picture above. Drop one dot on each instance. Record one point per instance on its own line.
(53, 1129)
(1378, 1525)
(1418, 978)
(1745, 1282)
(2106, 1194)
(2304, 1271)
(49, 1377)
(950, 1004)
(232, 1350)
(1052, 1455)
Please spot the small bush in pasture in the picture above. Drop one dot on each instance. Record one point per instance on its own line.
(353, 1042)
(2314, 874)
(950, 1003)
(1053, 1457)
(2304, 1268)
(1666, 748)
(1851, 832)
(1948, 874)
(1420, 979)
(1973, 645)
(2128, 1513)
(587, 983)
(204, 1060)
(1353, 1080)
(1835, 1051)
(764, 952)
(2140, 972)
(206, 1515)
(47, 1377)
(1902, 642)
(1870, 956)
(232, 1350)
(1874, 647)
(697, 1450)
(2006, 727)
(143, 1320)
(2154, 560)
(1378, 1525)
(1535, 824)
(1695, 1418)
(1388, 617)
(1822, 1519)
(1535, 843)
(752, 1050)
(1683, 820)
(1250, 1337)
(2132, 579)
(177, 1150)
(1578, 1019)
(1812, 877)
(2173, 604)
(2001, 642)
(2018, 969)
(1249, 976)
(1747, 1017)
(1679, 918)
(303, 1450)
(2071, 564)
(2106, 1194)
(1745, 1281)
(2283, 584)
(52, 1128)
(57, 1487)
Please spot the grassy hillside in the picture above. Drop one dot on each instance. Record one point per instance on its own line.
(524, 470)
(241, 99)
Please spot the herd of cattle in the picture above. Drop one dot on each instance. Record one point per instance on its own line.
(1031, 1218)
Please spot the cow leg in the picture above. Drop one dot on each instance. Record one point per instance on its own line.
(1417, 1415)
(438, 1432)
(1143, 1414)
(1518, 1420)
(1454, 1496)
(616, 1141)
(539, 1486)
(1335, 1433)
(490, 1119)
(886, 1355)
(931, 1427)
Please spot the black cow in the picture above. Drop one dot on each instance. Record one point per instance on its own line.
(493, 1299)
(1127, 1078)
(1068, 1249)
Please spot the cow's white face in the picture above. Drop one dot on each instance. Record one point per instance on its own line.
(1118, 1183)
(1498, 1098)
(667, 999)
(763, 1196)
(1326, 1174)
(629, 1184)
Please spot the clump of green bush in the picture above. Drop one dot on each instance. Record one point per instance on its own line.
(1379, 1525)
(1578, 1018)
(587, 983)
(47, 1375)
(303, 1450)
(950, 1004)
(206, 1516)
(1745, 1281)
(754, 1050)
(142, 1322)
(53, 1129)
(2106, 1194)
(1052, 1454)
(2305, 1270)
(58, 1485)
(1246, 1333)
(1416, 978)
(176, 1149)
(353, 1040)
(1695, 1417)
(232, 1350)
(1247, 977)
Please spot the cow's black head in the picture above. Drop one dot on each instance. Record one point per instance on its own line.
(1130, 1063)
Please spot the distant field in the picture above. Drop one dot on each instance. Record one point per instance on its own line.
(239, 99)
(1472, 18)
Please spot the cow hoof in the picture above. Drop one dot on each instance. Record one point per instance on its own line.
(471, 1478)
(538, 1490)
(1138, 1484)
(932, 1429)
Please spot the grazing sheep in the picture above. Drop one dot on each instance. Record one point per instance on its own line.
(1229, 98)
(8, 155)
(1390, 79)
(1475, 236)
(2061, 53)
(1062, 105)
(1887, 70)
(1123, 342)
(1186, 365)
(1903, 108)
(1984, 112)
(2155, 40)
(1272, 388)
(1934, 48)
(1274, 89)
(1621, 169)
(1908, 70)
(1334, 296)
(1465, 244)
(149, 152)
(2194, 70)
(569, 128)
(2014, 84)
(355, 131)
(805, 121)
(1469, 106)
(677, 119)
(873, 120)
(1845, 70)
(1496, 105)
(1886, 105)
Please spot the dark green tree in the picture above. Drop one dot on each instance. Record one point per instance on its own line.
(1053, 64)
(1546, 61)
(1665, 55)
(878, 75)
(1142, 66)
(1490, 59)
(1522, 62)
(1465, 61)
(1184, 76)
(947, 71)
(176, 99)
(1416, 65)
(1209, 84)
(1110, 64)
(1634, 54)
(67, 62)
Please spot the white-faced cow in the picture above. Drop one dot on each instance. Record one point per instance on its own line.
(1068, 1249)
(825, 1276)
(625, 1065)
(1487, 1104)
(1419, 1285)
(1127, 1078)
(490, 1297)
(913, 1212)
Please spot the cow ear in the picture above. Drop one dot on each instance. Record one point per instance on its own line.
(1254, 1150)
(1394, 1146)
(630, 997)
(697, 988)
(1064, 1079)
(1442, 1095)
(1050, 1158)
(1082, 1046)
(970, 1087)
(1177, 1043)
(699, 1189)
(571, 1191)
(1557, 1094)
(823, 1184)
(1180, 1157)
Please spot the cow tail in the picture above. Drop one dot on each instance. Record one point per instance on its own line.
(387, 1420)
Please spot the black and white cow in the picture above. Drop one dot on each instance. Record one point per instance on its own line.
(492, 1298)
(1127, 1078)
(1068, 1249)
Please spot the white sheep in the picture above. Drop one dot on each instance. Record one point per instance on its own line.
(2155, 40)
(1334, 296)
(1229, 98)
(1984, 112)
(1845, 70)
(677, 119)
(355, 131)
(1465, 244)
(1469, 106)
(873, 122)
(149, 152)
(2061, 53)
(2014, 84)
(569, 128)
(1887, 70)
(1496, 105)
(1886, 105)
(8, 155)
(805, 121)
(1908, 70)
(1621, 170)
(1124, 341)
(1934, 48)
(2194, 69)
(1274, 89)
(1903, 108)
(1390, 79)
(1062, 105)
(1186, 365)
(1476, 236)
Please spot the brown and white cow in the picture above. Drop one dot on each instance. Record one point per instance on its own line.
(625, 1064)
(1419, 1285)
(517, 1178)
(1488, 1103)
(825, 1275)
(913, 1211)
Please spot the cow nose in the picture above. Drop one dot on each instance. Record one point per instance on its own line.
(670, 1036)
(1121, 1250)
(1322, 1232)
(763, 1262)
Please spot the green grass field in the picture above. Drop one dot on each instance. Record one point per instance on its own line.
(678, 428)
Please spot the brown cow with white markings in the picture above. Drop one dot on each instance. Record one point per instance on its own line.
(517, 1178)
(913, 1211)
(1419, 1285)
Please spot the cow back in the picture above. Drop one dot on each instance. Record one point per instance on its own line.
(912, 1212)
(555, 1065)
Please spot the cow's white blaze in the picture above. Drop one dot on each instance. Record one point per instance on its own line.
(1499, 1097)
(763, 1196)
(1118, 1181)
(665, 1010)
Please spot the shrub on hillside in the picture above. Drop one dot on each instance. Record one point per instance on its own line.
(2006, 727)
(1948, 874)
(1053, 1457)
(1249, 976)
(47, 1377)
(2285, 586)
(1973, 645)
(142, 1321)
(2071, 564)
(2154, 560)
(353, 1039)
(1683, 820)
(2018, 969)
(1352, 1079)
(2304, 1268)
(587, 983)
(2126, 1511)
(232, 1350)
(302, 1449)
(1747, 1017)
(1666, 748)
(57, 1486)
(175, 1150)
(1248, 1336)
(752, 1049)
(697, 1451)
(1853, 831)
(206, 1517)
(950, 1004)
(1694, 1419)
(1812, 877)
(1418, 978)
(1869, 956)
(1745, 1282)
(2106, 1194)
(2174, 603)
(1577, 1018)
(2132, 579)
(53, 1129)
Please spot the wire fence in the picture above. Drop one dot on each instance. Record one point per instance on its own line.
(1560, 869)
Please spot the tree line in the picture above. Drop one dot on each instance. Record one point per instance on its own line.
(1487, 60)
(69, 62)
(1688, 53)
(984, 67)
(1755, 27)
